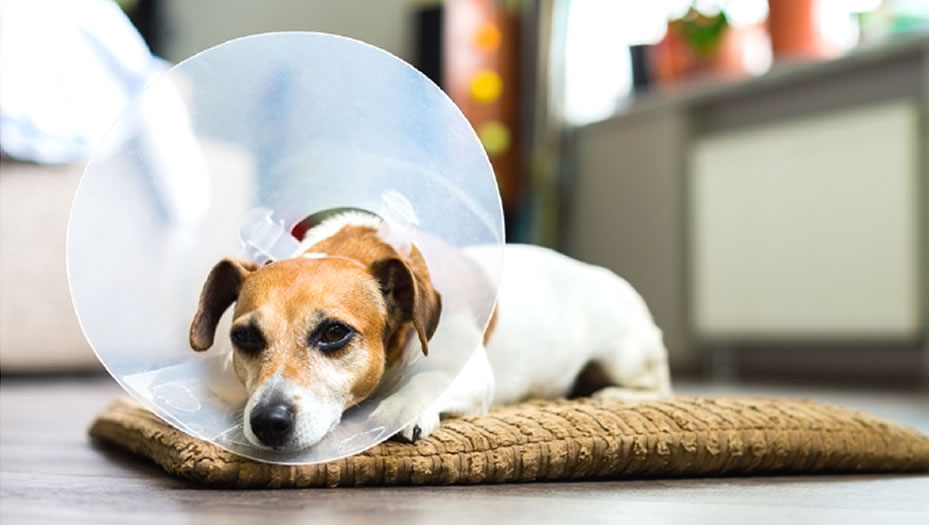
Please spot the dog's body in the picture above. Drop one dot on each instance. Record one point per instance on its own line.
(554, 317)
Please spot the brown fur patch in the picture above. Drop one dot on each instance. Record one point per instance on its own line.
(364, 244)
(367, 381)
(286, 299)
(491, 325)
(219, 291)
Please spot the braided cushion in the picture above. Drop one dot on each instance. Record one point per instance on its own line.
(563, 440)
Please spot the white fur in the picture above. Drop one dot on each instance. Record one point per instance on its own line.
(555, 315)
(332, 225)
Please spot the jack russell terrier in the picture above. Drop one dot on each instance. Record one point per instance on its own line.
(313, 336)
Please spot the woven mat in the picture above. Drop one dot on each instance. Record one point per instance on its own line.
(563, 440)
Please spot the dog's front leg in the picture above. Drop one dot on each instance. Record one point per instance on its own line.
(469, 394)
(470, 391)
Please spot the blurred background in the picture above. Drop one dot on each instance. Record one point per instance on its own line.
(757, 169)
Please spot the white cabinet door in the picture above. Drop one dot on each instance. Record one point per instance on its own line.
(808, 228)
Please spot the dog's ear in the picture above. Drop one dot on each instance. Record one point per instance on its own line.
(219, 291)
(410, 296)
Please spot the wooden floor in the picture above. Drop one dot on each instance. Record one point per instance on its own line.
(51, 473)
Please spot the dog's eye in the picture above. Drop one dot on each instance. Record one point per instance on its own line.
(333, 335)
(248, 339)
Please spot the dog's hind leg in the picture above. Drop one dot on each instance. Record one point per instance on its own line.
(637, 366)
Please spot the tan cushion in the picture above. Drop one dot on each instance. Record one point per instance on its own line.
(563, 440)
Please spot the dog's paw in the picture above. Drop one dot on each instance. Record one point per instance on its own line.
(419, 429)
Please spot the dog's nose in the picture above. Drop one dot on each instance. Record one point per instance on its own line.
(273, 423)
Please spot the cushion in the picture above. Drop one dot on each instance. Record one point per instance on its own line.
(563, 440)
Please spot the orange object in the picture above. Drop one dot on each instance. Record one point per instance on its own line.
(488, 37)
(795, 31)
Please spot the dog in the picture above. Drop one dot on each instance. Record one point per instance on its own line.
(316, 334)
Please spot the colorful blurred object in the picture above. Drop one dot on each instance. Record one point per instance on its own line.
(488, 37)
(495, 137)
(703, 34)
(698, 44)
(486, 86)
(893, 17)
(796, 30)
(481, 75)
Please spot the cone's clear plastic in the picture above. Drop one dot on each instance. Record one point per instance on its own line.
(235, 146)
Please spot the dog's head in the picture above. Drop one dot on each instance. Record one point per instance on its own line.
(312, 336)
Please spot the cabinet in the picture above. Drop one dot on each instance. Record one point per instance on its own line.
(790, 209)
